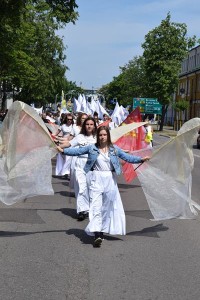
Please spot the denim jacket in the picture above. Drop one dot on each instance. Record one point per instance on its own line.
(114, 153)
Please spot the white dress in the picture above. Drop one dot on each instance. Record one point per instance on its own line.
(106, 212)
(63, 162)
(77, 130)
(80, 178)
(67, 130)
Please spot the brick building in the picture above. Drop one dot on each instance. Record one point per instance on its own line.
(189, 84)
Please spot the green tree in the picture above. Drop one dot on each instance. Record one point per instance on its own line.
(31, 55)
(133, 80)
(43, 56)
(180, 107)
(164, 49)
(128, 84)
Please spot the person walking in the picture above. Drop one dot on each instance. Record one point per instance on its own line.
(63, 163)
(149, 134)
(80, 178)
(106, 213)
(79, 122)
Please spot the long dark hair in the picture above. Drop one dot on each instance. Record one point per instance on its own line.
(99, 129)
(83, 128)
(78, 120)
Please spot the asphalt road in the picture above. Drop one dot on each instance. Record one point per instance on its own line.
(45, 254)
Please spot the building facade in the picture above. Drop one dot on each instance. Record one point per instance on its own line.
(189, 85)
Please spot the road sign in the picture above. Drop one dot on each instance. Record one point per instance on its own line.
(139, 102)
(148, 105)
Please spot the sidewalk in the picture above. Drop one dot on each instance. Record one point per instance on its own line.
(167, 130)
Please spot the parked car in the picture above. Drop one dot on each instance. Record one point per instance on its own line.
(198, 140)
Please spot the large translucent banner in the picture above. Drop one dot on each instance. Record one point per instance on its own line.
(166, 179)
(26, 149)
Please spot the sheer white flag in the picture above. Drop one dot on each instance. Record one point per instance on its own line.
(26, 149)
(115, 109)
(166, 179)
(38, 110)
(100, 110)
(118, 116)
(84, 104)
(76, 106)
(93, 106)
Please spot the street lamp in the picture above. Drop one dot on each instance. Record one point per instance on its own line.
(115, 100)
(55, 100)
(70, 92)
(182, 92)
(69, 101)
(101, 97)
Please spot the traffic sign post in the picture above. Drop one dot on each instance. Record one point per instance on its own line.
(148, 105)
(139, 102)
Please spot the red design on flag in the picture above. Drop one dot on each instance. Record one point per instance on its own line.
(106, 123)
(133, 140)
(134, 116)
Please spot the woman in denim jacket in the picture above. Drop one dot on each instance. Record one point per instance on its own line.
(106, 213)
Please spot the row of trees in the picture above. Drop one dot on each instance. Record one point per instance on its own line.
(154, 74)
(31, 54)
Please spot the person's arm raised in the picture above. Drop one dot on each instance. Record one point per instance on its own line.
(74, 151)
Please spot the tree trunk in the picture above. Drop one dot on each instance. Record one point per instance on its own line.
(3, 104)
(164, 110)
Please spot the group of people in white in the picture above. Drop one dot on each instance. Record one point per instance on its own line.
(90, 161)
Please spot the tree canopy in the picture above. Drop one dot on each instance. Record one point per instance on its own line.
(155, 74)
(164, 49)
(31, 54)
(128, 84)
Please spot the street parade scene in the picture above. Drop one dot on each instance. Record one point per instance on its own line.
(99, 171)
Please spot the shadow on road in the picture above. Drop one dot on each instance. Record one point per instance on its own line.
(86, 239)
(66, 194)
(71, 212)
(150, 231)
(81, 235)
(23, 233)
(127, 186)
(145, 214)
(20, 215)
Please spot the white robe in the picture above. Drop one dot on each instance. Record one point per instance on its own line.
(106, 212)
(80, 178)
(63, 162)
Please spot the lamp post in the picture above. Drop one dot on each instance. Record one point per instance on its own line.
(178, 113)
(182, 93)
(115, 100)
(56, 101)
(101, 97)
(70, 92)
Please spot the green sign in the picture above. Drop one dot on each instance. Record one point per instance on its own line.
(148, 105)
(139, 102)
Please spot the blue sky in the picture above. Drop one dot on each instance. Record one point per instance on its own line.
(109, 33)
